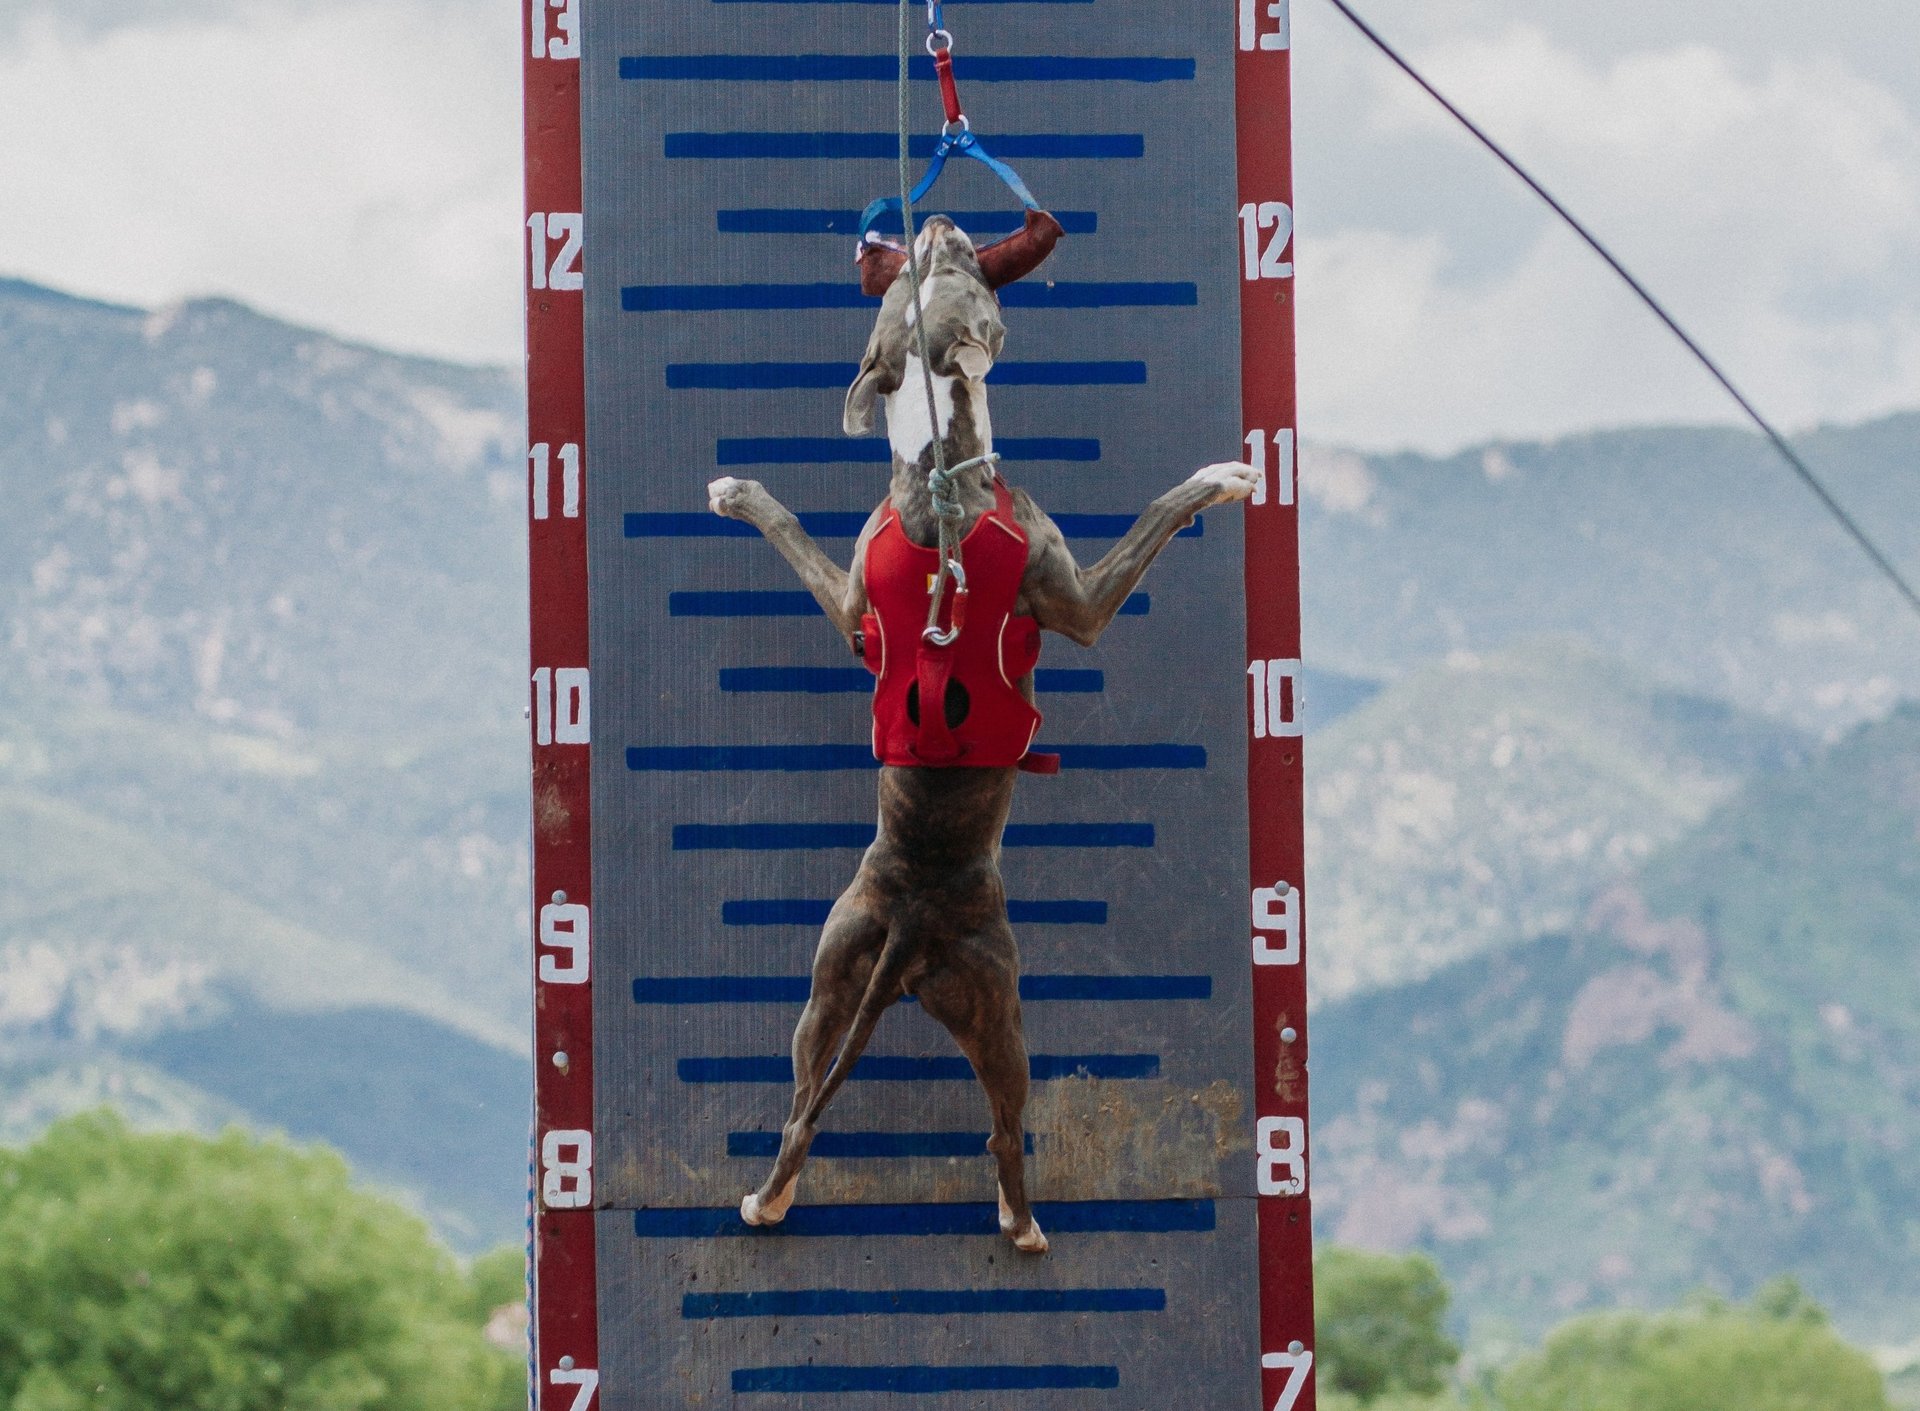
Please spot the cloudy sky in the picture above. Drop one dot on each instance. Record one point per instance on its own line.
(355, 165)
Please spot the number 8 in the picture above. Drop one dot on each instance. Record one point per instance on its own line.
(569, 1183)
(1283, 1148)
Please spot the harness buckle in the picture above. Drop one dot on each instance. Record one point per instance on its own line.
(933, 634)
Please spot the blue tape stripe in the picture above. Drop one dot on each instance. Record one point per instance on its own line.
(777, 377)
(1088, 1217)
(807, 837)
(787, 759)
(900, 1068)
(1042, 295)
(847, 524)
(858, 681)
(860, 1303)
(814, 1377)
(710, 298)
(781, 602)
(839, 450)
(1109, 988)
(796, 680)
(890, 2)
(793, 989)
(777, 220)
(807, 911)
(870, 1146)
(1127, 756)
(885, 146)
(815, 759)
(885, 68)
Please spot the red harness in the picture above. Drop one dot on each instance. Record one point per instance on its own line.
(977, 676)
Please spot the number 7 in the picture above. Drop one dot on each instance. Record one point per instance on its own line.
(1298, 1365)
(585, 1378)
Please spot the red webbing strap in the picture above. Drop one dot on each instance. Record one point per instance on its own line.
(936, 744)
(949, 91)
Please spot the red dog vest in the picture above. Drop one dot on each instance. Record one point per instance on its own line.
(978, 718)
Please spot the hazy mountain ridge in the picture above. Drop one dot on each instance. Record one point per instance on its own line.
(1478, 802)
(1696, 1084)
(261, 747)
(262, 772)
(1691, 553)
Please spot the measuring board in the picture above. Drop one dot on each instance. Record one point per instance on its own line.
(703, 779)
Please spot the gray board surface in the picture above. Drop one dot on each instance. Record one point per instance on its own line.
(1128, 883)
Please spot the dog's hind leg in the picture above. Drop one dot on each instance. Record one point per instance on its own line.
(975, 994)
(850, 946)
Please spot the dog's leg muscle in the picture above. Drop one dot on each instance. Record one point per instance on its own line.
(849, 947)
(841, 593)
(1080, 602)
(975, 995)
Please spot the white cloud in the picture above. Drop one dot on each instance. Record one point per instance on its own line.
(1776, 208)
(354, 167)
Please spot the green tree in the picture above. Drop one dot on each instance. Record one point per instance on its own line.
(1775, 1354)
(174, 1273)
(1381, 1326)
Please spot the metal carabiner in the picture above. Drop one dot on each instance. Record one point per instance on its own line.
(934, 634)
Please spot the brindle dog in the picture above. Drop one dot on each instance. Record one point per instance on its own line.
(926, 914)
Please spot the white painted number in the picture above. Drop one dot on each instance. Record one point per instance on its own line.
(568, 1184)
(1297, 1365)
(584, 1380)
(541, 454)
(566, 22)
(562, 706)
(1282, 473)
(1254, 11)
(562, 270)
(1276, 912)
(1276, 698)
(1276, 216)
(565, 926)
(1283, 1156)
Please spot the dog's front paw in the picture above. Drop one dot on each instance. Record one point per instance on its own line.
(730, 498)
(1229, 480)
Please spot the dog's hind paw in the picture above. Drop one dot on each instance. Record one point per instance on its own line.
(755, 1214)
(1032, 1242)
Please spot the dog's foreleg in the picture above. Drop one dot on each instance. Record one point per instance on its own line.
(841, 593)
(1080, 602)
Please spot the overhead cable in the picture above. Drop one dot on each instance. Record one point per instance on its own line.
(1780, 442)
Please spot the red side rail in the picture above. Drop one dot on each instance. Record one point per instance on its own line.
(1263, 88)
(566, 1359)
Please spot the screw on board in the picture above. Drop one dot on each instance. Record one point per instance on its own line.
(559, 898)
(561, 1060)
(1289, 1034)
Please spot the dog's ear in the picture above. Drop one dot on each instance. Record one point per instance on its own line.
(879, 376)
(977, 339)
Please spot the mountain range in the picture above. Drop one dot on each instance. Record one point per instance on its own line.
(1610, 893)
(1710, 1076)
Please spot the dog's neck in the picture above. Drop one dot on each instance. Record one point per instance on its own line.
(966, 433)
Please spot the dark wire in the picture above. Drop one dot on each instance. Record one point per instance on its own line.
(1780, 444)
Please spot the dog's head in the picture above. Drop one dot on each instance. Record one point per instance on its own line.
(963, 328)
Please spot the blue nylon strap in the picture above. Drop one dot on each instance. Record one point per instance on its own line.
(967, 145)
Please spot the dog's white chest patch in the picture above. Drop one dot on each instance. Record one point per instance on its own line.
(908, 429)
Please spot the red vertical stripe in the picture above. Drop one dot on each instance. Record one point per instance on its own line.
(565, 1300)
(1263, 103)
